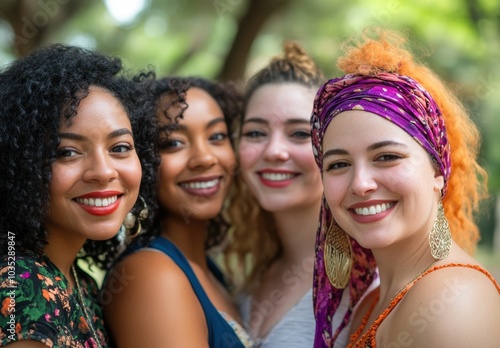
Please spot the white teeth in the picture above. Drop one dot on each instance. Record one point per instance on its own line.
(97, 202)
(200, 184)
(374, 209)
(277, 176)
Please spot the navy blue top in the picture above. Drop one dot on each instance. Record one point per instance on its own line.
(220, 334)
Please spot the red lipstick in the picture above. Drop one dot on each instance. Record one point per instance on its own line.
(276, 178)
(100, 203)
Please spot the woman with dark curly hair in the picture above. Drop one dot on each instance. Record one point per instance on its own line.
(69, 146)
(175, 296)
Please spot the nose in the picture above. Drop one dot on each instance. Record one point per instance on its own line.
(363, 181)
(100, 168)
(276, 149)
(201, 156)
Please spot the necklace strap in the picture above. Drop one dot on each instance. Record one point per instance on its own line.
(81, 303)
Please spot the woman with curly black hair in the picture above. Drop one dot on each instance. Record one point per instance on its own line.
(70, 144)
(175, 296)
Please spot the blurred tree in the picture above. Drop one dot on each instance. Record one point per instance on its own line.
(33, 22)
(249, 26)
(231, 39)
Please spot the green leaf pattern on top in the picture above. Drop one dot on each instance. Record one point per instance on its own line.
(36, 305)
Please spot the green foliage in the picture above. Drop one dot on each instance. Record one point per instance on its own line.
(459, 39)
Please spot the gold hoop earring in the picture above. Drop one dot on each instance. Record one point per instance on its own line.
(337, 256)
(132, 221)
(440, 235)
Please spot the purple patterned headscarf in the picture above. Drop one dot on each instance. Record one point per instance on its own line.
(408, 105)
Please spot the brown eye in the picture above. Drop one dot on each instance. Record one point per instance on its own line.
(336, 165)
(218, 137)
(122, 148)
(254, 134)
(167, 144)
(66, 153)
(386, 157)
(301, 135)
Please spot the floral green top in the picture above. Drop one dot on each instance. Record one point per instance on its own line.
(37, 305)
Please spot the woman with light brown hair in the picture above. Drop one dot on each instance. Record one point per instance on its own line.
(275, 209)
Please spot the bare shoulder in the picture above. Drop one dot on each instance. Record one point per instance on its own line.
(450, 307)
(149, 301)
(135, 273)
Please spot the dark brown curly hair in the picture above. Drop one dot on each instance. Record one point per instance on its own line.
(170, 96)
(37, 93)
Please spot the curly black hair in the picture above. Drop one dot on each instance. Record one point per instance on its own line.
(37, 93)
(230, 100)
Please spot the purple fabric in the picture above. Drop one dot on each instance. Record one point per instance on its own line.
(405, 103)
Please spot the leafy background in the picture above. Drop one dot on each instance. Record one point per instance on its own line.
(231, 39)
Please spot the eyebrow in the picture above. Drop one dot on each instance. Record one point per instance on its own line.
(372, 147)
(215, 121)
(265, 121)
(181, 127)
(79, 137)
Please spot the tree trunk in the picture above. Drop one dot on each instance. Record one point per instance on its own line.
(249, 25)
(32, 21)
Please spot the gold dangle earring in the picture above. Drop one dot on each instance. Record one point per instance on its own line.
(337, 256)
(440, 235)
(131, 222)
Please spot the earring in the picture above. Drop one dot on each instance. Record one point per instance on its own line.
(440, 236)
(131, 222)
(337, 256)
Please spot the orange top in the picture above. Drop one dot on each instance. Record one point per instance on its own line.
(368, 339)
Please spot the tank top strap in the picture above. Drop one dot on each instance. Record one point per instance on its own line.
(405, 290)
(467, 265)
(220, 332)
(168, 248)
(368, 339)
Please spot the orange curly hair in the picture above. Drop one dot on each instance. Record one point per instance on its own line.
(382, 50)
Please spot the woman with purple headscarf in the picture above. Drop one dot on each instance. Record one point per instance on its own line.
(401, 182)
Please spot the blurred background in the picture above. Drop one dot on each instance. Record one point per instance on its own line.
(231, 39)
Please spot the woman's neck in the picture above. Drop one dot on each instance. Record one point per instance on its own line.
(400, 264)
(188, 237)
(297, 233)
(62, 253)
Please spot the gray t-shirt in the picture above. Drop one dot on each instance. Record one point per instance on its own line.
(294, 330)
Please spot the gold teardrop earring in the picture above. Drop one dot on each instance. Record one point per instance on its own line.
(337, 256)
(440, 235)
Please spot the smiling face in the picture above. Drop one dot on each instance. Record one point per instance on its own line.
(197, 160)
(380, 184)
(96, 175)
(275, 151)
